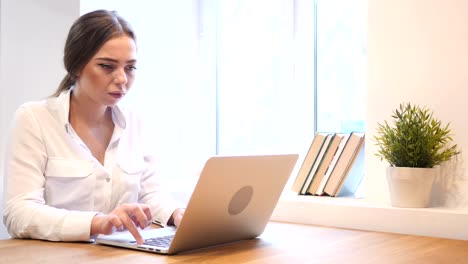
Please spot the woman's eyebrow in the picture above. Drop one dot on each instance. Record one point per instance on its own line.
(114, 60)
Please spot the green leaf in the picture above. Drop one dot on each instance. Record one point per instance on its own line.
(415, 138)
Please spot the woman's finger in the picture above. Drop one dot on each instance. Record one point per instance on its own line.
(147, 211)
(131, 227)
(178, 217)
(138, 215)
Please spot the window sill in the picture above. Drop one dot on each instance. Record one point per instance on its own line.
(368, 215)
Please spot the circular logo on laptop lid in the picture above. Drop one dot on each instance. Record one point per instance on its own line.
(240, 200)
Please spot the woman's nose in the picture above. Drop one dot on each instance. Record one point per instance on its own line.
(120, 76)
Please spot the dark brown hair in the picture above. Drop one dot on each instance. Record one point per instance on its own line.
(86, 36)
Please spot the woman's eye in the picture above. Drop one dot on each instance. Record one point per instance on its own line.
(131, 68)
(106, 66)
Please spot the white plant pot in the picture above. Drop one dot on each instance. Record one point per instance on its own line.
(410, 187)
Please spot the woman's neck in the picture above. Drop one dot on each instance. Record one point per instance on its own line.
(84, 110)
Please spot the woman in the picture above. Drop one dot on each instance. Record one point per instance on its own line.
(76, 164)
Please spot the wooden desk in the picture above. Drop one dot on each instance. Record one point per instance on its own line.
(280, 243)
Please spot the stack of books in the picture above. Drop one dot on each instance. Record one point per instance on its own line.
(333, 165)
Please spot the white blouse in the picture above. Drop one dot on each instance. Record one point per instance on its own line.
(53, 184)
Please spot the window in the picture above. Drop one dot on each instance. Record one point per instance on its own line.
(265, 76)
(286, 69)
(238, 77)
(341, 65)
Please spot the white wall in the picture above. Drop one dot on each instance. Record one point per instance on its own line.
(32, 37)
(418, 52)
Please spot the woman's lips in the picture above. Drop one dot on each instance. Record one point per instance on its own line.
(117, 95)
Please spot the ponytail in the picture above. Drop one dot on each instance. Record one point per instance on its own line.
(66, 83)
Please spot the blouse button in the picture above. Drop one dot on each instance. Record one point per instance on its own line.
(107, 179)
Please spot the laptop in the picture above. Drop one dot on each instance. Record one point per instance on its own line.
(233, 200)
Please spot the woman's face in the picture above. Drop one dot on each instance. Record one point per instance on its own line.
(110, 73)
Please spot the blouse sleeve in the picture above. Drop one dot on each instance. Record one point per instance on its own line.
(26, 214)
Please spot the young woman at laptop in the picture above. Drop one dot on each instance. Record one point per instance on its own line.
(77, 164)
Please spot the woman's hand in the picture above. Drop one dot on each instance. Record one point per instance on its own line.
(176, 217)
(125, 216)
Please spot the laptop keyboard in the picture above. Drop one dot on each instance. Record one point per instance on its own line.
(163, 241)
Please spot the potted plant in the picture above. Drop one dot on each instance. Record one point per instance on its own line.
(413, 145)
